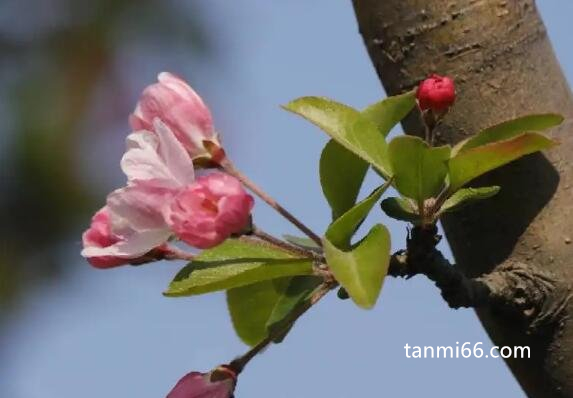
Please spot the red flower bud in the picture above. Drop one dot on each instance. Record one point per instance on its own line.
(219, 383)
(436, 93)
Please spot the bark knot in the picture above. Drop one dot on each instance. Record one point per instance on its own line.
(536, 297)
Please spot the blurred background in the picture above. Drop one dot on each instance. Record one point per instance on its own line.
(70, 73)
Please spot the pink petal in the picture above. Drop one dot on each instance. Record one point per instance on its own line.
(209, 211)
(177, 105)
(174, 155)
(200, 385)
(136, 220)
(234, 213)
(157, 158)
(132, 246)
(99, 235)
(138, 207)
(221, 184)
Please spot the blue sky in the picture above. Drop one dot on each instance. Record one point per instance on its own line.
(112, 333)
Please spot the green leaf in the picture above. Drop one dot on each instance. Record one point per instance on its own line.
(251, 306)
(362, 269)
(340, 232)
(466, 196)
(295, 295)
(341, 176)
(419, 170)
(303, 242)
(235, 263)
(467, 165)
(400, 209)
(510, 129)
(346, 126)
(390, 111)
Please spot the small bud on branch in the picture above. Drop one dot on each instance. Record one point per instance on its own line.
(436, 93)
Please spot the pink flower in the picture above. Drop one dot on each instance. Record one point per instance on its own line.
(181, 109)
(210, 210)
(99, 235)
(157, 168)
(437, 93)
(219, 383)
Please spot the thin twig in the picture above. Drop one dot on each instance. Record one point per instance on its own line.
(230, 168)
(239, 364)
(174, 253)
(427, 134)
(259, 233)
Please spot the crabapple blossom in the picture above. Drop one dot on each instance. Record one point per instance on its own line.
(157, 169)
(173, 101)
(106, 248)
(99, 235)
(211, 209)
(162, 198)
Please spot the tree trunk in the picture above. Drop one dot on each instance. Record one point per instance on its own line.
(501, 58)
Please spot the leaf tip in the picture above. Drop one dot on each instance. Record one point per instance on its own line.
(559, 118)
(293, 105)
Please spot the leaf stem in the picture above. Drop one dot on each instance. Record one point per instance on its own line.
(440, 200)
(230, 168)
(239, 363)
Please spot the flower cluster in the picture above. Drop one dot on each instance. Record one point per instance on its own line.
(162, 198)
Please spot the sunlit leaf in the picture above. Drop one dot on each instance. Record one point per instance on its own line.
(341, 176)
(303, 242)
(362, 268)
(510, 129)
(400, 209)
(251, 306)
(340, 232)
(419, 170)
(359, 268)
(295, 295)
(467, 165)
(466, 196)
(235, 263)
(347, 126)
(390, 111)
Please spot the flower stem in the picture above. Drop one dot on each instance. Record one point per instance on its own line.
(427, 134)
(239, 364)
(230, 168)
(174, 253)
(259, 233)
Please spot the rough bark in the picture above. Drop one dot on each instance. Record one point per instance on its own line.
(504, 66)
